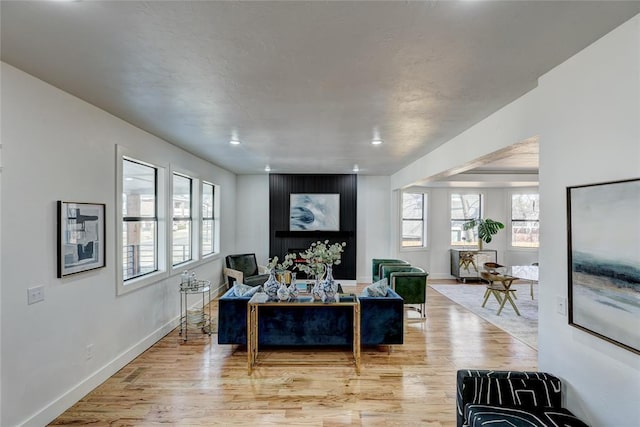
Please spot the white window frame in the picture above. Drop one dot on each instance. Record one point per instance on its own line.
(125, 286)
(425, 219)
(482, 213)
(214, 218)
(510, 210)
(193, 218)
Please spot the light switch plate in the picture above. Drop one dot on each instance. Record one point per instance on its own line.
(35, 294)
(561, 305)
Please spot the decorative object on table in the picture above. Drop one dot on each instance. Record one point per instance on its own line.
(283, 292)
(604, 260)
(316, 291)
(293, 288)
(314, 212)
(81, 237)
(271, 286)
(329, 286)
(487, 228)
(320, 257)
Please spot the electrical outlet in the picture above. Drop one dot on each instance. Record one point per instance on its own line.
(561, 305)
(35, 294)
(89, 352)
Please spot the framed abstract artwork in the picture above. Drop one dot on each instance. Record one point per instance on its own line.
(604, 260)
(314, 212)
(81, 237)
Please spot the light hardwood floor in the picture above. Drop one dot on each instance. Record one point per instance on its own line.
(203, 383)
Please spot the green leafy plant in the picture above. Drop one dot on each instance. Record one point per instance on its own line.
(487, 228)
(284, 265)
(319, 255)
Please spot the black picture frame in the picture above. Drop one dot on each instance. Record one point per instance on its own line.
(603, 224)
(81, 237)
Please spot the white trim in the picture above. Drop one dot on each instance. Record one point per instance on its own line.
(131, 285)
(426, 206)
(509, 225)
(77, 392)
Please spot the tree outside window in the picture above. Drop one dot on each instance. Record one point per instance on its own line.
(464, 207)
(413, 220)
(525, 220)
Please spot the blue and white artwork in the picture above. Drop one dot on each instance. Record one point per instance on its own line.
(311, 212)
(604, 285)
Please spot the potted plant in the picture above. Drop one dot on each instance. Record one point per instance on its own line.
(487, 228)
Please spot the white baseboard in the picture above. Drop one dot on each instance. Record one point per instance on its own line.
(439, 276)
(68, 399)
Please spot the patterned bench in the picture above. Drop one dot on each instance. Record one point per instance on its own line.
(511, 398)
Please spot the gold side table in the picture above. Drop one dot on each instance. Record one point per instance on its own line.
(260, 299)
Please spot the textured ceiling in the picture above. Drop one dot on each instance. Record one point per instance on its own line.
(304, 86)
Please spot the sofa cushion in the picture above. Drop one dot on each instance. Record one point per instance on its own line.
(479, 415)
(242, 290)
(377, 289)
(512, 392)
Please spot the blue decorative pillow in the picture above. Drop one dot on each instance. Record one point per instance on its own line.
(377, 289)
(242, 290)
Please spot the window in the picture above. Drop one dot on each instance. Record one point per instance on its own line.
(463, 208)
(207, 228)
(525, 222)
(413, 220)
(139, 219)
(182, 221)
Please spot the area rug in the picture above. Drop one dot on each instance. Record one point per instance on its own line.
(523, 327)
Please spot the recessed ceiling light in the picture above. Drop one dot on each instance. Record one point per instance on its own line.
(267, 168)
(234, 142)
(356, 168)
(377, 141)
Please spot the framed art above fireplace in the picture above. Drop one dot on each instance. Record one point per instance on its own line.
(314, 212)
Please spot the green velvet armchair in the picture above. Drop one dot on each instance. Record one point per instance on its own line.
(378, 262)
(410, 283)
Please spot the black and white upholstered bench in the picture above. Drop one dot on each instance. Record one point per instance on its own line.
(511, 398)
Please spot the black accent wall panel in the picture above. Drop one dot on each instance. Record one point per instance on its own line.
(282, 240)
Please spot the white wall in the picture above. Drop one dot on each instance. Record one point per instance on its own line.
(373, 223)
(252, 215)
(589, 133)
(57, 147)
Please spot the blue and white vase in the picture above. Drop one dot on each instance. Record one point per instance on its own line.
(316, 291)
(283, 292)
(329, 286)
(293, 289)
(271, 286)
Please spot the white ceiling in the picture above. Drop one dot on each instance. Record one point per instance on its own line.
(305, 86)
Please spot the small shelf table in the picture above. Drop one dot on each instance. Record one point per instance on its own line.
(199, 318)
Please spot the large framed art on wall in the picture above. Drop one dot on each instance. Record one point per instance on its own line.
(81, 237)
(314, 212)
(604, 260)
